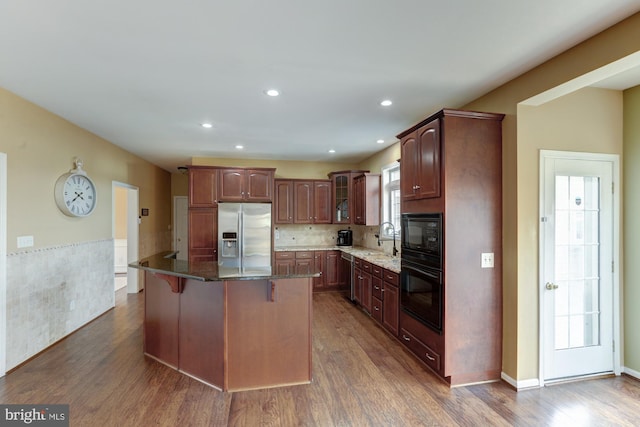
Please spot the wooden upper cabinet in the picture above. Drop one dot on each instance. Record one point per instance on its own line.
(245, 185)
(428, 181)
(341, 198)
(203, 187)
(231, 187)
(259, 185)
(322, 202)
(366, 198)
(342, 195)
(283, 201)
(408, 166)
(303, 202)
(420, 171)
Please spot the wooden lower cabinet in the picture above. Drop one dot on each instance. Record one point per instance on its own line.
(426, 344)
(376, 290)
(274, 349)
(203, 234)
(200, 346)
(233, 335)
(391, 301)
(285, 263)
(327, 263)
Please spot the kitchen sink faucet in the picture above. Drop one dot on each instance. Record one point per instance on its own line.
(393, 229)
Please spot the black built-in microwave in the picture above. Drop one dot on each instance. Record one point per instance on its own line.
(422, 238)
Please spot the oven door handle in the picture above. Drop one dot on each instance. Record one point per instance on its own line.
(436, 275)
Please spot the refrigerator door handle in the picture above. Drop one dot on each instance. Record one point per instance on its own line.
(240, 241)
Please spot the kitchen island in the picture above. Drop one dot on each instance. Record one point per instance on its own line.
(231, 331)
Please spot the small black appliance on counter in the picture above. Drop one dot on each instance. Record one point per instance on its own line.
(345, 238)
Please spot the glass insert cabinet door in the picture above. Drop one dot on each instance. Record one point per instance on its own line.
(341, 201)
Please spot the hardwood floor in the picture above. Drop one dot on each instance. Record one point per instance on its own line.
(362, 377)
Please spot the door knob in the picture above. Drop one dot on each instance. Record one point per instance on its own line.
(551, 286)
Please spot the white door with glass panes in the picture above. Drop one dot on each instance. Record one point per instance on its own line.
(577, 266)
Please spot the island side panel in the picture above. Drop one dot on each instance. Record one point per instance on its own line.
(268, 333)
(161, 312)
(201, 339)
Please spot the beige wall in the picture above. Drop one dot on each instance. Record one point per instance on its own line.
(40, 147)
(631, 197)
(120, 207)
(589, 120)
(284, 168)
(67, 278)
(615, 43)
(382, 158)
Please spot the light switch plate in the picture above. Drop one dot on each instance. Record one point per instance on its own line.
(487, 260)
(25, 241)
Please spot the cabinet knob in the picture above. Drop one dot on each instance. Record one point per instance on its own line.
(406, 338)
(430, 357)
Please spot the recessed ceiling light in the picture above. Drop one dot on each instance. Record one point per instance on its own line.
(239, 147)
(332, 151)
(380, 141)
(386, 103)
(206, 125)
(272, 92)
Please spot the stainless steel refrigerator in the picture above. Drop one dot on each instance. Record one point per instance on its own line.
(244, 239)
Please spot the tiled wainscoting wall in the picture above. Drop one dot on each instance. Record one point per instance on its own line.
(53, 291)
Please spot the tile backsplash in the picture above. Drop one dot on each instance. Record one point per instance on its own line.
(286, 235)
(304, 235)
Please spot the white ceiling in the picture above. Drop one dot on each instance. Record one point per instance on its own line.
(144, 74)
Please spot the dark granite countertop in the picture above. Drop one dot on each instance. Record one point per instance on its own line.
(166, 263)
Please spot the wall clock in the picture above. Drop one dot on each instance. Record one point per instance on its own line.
(75, 192)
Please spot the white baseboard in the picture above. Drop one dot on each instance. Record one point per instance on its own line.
(631, 372)
(520, 384)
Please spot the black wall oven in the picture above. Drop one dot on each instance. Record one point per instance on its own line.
(422, 293)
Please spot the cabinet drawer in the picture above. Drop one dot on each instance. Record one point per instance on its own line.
(420, 349)
(285, 255)
(376, 309)
(357, 262)
(376, 270)
(376, 287)
(366, 266)
(391, 277)
(304, 255)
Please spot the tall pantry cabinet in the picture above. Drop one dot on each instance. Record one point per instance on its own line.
(203, 213)
(452, 164)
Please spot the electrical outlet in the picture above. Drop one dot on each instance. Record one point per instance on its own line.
(487, 260)
(25, 241)
(277, 234)
(72, 305)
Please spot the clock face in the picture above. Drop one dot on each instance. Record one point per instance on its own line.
(76, 195)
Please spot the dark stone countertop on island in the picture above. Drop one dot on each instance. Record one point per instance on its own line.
(207, 271)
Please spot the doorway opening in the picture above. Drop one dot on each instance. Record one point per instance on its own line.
(181, 227)
(3, 263)
(125, 236)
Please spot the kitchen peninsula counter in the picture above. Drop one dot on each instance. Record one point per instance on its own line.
(231, 331)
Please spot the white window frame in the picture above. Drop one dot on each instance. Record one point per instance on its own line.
(388, 187)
